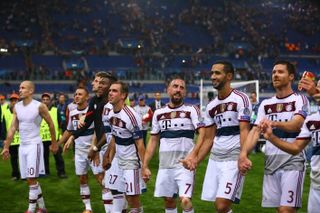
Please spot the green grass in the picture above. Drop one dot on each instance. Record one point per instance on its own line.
(62, 195)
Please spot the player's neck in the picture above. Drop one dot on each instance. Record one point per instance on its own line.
(27, 100)
(283, 92)
(224, 92)
(118, 107)
(82, 106)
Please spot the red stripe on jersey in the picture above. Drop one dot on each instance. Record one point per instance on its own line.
(244, 97)
(197, 109)
(131, 116)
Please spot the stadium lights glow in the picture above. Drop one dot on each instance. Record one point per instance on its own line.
(3, 50)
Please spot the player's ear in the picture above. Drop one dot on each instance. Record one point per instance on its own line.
(229, 76)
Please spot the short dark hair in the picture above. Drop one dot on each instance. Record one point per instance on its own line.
(290, 67)
(85, 89)
(227, 66)
(124, 87)
(103, 74)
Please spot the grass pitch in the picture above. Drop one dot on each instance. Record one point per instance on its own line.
(62, 195)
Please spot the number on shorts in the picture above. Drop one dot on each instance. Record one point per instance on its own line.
(113, 179)
(291, 194)
(188, 187)
(228, 188)
(127, 187)
(31, 171)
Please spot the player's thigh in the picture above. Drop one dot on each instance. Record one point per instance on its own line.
(165, 184)
(132, 179)
(210, 183)
(113, 178)
(34, 160)
(292, 188)
(230, 181)
(185, 181)
(313, 200)
(81, 162)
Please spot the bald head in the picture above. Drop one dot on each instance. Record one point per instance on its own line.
(26, 89)
(29, 84)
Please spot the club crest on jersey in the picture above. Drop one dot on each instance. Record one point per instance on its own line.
(289, 108)
(173, 115)
(230, 106)
(279, 107)
(182, 115)
(121, 124)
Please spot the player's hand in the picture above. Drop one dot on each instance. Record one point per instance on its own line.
(244, 165)
(265, 127)
(68, 144)
(190, 162)
(106, 163)
(308, 85)
(54, 147)
(92, 154)
(81, 122)
(5, 153)
(146, 174)
(96, 159)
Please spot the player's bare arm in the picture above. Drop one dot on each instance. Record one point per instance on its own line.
(190, 161)
(6, 143)
(93, 152)
(293, 125)
(244, 163)
(293, 148)
(151, 148)
(140, 147)
(109, 154)
(244, 131)
(210, 133)
(64, 138)
(43, 111)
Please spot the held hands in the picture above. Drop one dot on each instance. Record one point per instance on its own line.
(54, 147)
(146, 174)
(265, 127)
(190, 162)
(5, 153)
(68, 144)
(244, 164)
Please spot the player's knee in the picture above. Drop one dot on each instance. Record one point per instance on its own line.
(286, 209)
(170, 202)
(186, 203)
(222, 207)
(83, 179)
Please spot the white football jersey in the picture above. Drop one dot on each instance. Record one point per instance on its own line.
(83, 142)
(29, 122)
(282, 110)
(176, 127)
(126, 128)
(311, 131)
(227, 114)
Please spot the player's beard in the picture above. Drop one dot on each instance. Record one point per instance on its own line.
(220, 85)
(177, 101)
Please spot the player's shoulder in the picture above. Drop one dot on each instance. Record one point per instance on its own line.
(313, 116)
